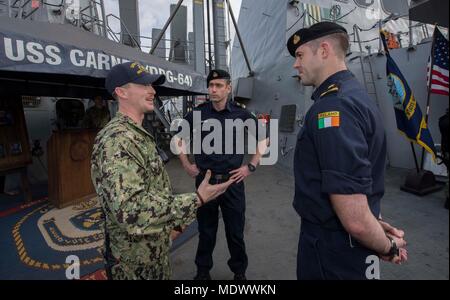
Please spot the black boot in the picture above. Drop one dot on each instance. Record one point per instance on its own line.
(202, 275)
(240, 277)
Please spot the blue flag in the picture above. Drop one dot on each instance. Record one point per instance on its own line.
(408, 115)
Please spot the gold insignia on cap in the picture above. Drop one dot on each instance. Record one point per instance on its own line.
(215, 75)
(296, 39)
(140, 67)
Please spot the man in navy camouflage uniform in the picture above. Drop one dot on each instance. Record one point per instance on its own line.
(132, 185)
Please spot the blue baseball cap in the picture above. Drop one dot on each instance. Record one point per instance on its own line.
(131, 72)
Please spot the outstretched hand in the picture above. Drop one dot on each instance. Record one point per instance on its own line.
(208, 191)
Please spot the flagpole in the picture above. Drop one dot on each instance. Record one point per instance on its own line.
(415, 158)
(429, 91)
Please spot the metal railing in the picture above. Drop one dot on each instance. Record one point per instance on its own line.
(127, 32)
(170, 108)
(23, 10)
(378, 26)
(169, 55)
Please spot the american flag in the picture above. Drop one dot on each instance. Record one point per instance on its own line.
(439, 78)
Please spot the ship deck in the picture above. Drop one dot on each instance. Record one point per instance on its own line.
(271, 231)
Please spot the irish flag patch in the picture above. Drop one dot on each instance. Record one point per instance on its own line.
(329, 119)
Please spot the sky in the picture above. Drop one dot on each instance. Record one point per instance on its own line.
(154, 14)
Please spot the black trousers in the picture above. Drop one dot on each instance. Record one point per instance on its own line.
(232, 205)
(331, 255)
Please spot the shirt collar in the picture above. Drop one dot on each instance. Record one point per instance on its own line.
(333, 79)
(132, 123)
(228, 106)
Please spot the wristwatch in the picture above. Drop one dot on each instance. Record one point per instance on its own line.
(251, 168)
(393, 251)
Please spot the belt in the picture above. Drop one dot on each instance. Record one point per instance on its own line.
(221, 177)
